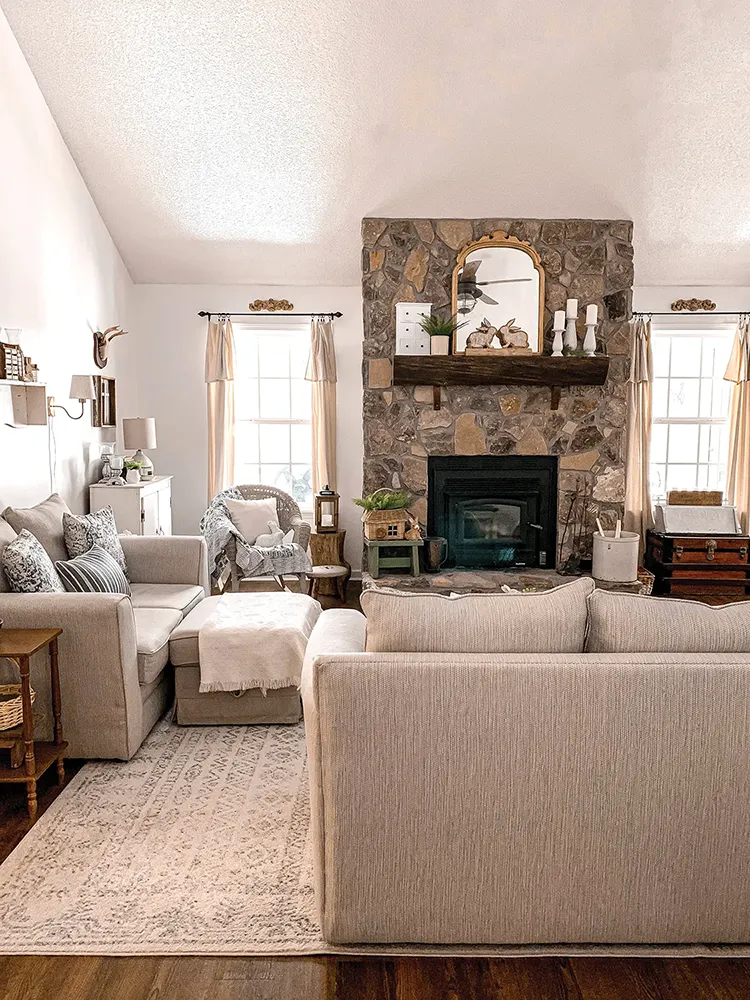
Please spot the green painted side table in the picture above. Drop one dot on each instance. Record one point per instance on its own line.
(409, 560)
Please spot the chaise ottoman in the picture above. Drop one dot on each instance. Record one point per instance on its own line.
(215, 708)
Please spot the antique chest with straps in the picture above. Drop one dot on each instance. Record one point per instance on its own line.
(699, 565)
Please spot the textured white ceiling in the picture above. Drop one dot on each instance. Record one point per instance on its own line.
(233, 141)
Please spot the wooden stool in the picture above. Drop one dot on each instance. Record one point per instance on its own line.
(409, 560)
(339, 574)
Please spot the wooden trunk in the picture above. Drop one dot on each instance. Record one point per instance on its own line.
(699, 565)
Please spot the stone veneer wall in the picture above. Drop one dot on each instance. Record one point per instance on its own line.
(412, 260)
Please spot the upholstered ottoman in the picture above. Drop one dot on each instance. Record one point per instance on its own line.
(196, 708)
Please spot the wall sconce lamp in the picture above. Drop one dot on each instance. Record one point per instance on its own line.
(81, 388)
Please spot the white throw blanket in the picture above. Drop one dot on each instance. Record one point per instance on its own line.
(255, 641)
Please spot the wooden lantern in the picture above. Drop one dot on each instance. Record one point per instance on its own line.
(326, 510)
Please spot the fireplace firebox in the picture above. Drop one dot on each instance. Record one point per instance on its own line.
(496, 512)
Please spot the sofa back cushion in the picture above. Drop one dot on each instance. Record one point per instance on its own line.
(45, 522)
(553, 621)
(626, 623)
(7, 534)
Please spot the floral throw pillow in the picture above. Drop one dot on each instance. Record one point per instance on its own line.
(28, 568)
(82, 531)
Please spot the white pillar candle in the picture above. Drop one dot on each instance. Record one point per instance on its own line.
(592, 313)
(559, 321)
(571, 308)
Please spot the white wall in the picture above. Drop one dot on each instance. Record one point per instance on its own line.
(167, 353)
(60, 277)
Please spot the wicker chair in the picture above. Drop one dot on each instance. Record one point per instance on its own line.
(290, 517)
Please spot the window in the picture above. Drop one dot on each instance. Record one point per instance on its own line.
(689, 439)
(273, 408)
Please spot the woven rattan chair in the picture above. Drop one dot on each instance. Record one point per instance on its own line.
(290, 517)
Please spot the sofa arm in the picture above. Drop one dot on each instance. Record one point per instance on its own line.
(167, 559)
(101, 703)
(302, 531)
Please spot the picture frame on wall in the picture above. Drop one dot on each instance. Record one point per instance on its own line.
(104, 412)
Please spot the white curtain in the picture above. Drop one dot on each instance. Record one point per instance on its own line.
(738, 464)
(638, 512)
(220, 398)
(321, 372)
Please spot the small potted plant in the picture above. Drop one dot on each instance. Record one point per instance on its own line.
(385, 515)
(440, 329)
(133, 470)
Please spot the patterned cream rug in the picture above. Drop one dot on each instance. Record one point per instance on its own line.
(198, 846)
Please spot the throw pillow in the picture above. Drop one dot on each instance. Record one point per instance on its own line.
(93, 572)
(83, 531)
(553, 621)
(251, 517)
(28, 568)
(44, 522)
(7, 534)
(627, 623)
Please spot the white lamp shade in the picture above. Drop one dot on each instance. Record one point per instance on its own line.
(82, 387)
(139, 432)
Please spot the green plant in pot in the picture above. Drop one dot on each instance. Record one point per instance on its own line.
(440, 329)
(385, 515)
(132, 470)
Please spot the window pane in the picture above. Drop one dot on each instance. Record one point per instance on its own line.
(719, 445)
(274, 398)
(247, 473)
(659, 442)
(301, 443)
(686, 356)
(717, 476)
(683, 397)
(273, 356)
(302, 485)
(274, 443)
(660, 352)
(299, 354)
(658, 480)
(683, 443)
(659, 397)
(681, 477)
(246, 443)
(301, 399)
(245, 355)
(246, 398)
(276, 475)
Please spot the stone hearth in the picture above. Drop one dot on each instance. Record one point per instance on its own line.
(486, 581)
(413, 260)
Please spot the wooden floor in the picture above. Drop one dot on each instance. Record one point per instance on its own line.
(70, 978)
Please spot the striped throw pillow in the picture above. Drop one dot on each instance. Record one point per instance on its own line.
(94, 571)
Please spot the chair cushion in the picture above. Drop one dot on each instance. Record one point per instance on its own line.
(84, 530)
(44, 522)
(251, 517)
(94, 571)
(7, 534)
(183, 643)
(153, 627)
(181, 597)
(553, 621)
(628, 623)
(28, 567)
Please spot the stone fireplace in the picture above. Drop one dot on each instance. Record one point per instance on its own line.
(412, 260)
(496, 512)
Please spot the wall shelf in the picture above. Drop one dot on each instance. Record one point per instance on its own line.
(482, 369)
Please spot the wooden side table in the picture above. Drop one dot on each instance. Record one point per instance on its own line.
(19, 645)
(409, 560)
(327, 549)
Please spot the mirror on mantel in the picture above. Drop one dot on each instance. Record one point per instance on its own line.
(498, 296)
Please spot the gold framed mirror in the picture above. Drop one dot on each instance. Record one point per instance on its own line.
(498, 294)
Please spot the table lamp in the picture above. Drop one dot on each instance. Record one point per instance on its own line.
(139, 433)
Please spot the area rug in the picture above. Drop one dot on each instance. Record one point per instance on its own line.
(200, 845)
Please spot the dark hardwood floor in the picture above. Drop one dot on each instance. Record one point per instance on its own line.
(328, 978)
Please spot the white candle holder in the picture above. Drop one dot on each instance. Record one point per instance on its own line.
(557, 342)
(589, 342)
(571, 337)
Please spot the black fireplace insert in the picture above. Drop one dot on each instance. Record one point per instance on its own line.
(496, 511)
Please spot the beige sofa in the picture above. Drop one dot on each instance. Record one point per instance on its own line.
(114, 675)
(525, 797)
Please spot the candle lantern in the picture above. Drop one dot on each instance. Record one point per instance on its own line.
(326, 510)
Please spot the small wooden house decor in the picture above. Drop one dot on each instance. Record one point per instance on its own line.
(326, 510)
(386, 525)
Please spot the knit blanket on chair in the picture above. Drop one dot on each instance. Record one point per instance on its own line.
(218, 528)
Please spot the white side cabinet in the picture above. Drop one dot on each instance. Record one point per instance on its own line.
(143, 508)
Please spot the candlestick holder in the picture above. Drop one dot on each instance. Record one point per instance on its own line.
(589, 341)
(571, 337)
(557, 342)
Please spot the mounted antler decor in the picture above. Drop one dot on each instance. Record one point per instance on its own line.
(102, 342)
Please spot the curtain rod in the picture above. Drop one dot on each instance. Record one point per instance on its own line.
(333, 315)
(680, 315)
